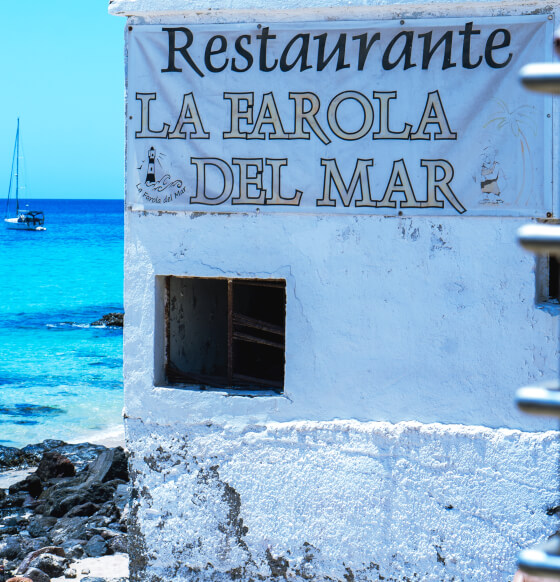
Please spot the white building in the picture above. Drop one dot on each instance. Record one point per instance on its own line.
(327, 314)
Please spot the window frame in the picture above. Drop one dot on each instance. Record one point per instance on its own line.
(242, 329)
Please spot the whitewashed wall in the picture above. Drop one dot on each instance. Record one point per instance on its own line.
(386, 319)
(393, 324)
(339, 500)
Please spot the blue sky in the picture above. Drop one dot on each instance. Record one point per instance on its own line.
(63, 75)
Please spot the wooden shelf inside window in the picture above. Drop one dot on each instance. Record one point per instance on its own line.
(268, 333)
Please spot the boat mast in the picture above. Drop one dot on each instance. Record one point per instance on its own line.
(17, 167)
(14, 157)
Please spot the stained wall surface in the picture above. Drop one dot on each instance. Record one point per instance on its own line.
(340, 500)
(395, 451)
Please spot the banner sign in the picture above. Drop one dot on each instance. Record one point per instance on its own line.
(423, 117)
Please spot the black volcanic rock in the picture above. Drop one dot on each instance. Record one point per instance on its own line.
(80, 454)
(110, 320)
(59, 514)
(119, 465)
(9, 547)
(86, 509)
(51, 564)
(31, 484)
(54, 465)
(11, 458)
(36, 575)
(31, 556)
(96, 547)
(38, 449)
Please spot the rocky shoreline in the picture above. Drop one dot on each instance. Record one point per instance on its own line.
(74, 505)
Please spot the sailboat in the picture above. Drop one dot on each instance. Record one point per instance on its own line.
(24, 219)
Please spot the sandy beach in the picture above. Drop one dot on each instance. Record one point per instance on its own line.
(111, 437)
(108, 567)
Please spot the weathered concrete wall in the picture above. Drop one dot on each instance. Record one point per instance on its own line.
(386, 319)
(402, 321)
(339, 500)
(428, 336)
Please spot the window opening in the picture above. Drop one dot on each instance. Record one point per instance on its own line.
(226, 333)
(553, 278)
(548, 280)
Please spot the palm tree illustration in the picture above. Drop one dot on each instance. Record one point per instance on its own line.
(518, 120)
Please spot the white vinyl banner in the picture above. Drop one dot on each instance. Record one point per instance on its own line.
(422, 117)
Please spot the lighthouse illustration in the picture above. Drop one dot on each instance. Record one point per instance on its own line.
(151, 174)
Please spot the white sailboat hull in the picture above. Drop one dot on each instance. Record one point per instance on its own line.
(16, 224)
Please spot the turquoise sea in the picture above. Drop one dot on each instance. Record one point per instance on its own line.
(59, 377)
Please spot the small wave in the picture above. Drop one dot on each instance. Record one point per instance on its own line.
(65, 325)
(82, 317)
(68, 324)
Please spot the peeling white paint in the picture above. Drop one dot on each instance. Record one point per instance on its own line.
(340, 499)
